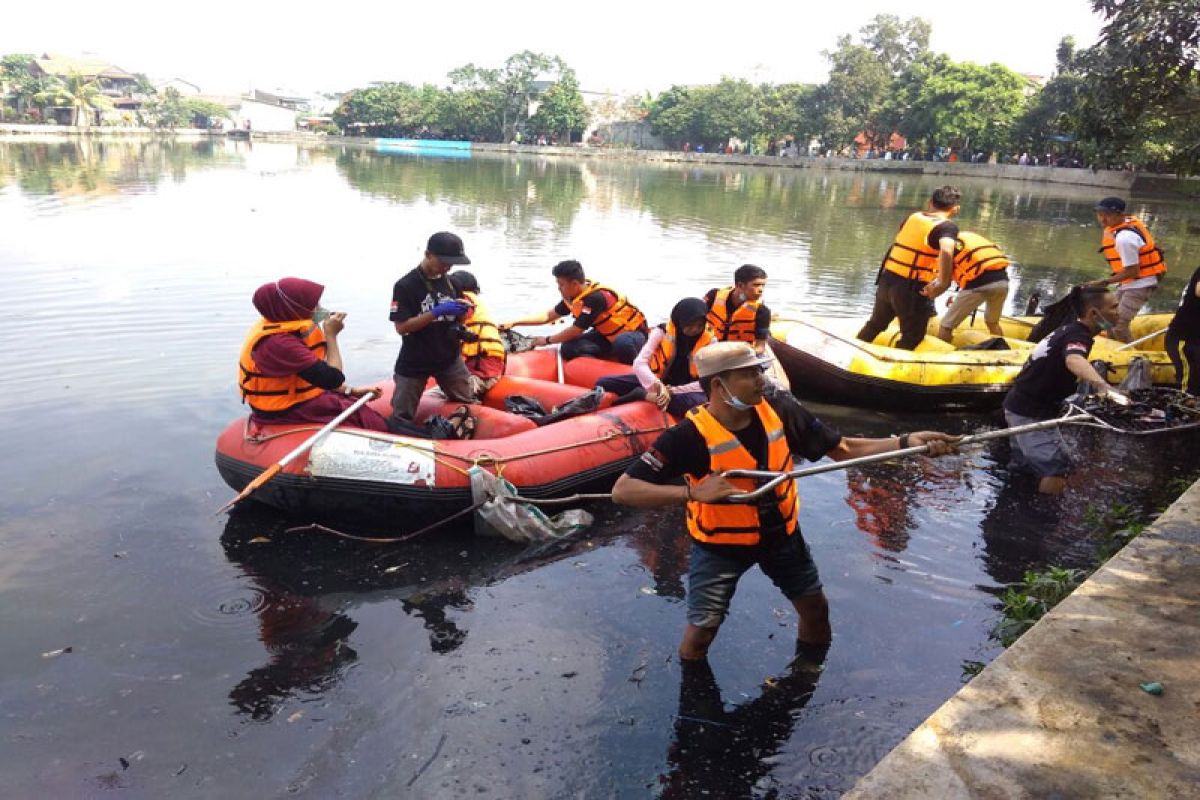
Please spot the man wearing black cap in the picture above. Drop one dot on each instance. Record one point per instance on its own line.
(1136, 261)
(747, 424)
(426, 309)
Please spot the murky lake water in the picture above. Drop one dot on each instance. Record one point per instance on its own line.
(203, 663)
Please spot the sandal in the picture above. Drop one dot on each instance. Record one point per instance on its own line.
(463, 422)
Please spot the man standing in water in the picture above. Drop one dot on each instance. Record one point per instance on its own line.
(1136, 262)
(1048, 378)
(426, 309)
(742, 427)
(912, 270)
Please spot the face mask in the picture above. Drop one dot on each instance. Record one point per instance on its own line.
(319, 315)
(733, 401)
(1104, 325)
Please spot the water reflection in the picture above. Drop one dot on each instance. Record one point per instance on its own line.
(884, 502)
(309, 584)
(86, 168)
(518, 196)
(726, 752)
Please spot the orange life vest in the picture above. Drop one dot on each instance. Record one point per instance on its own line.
(737, 523)
(662, 357)
(735, 327)
(1150, 256)
(266, 393)
(910, 255)
(481, 323)
(619, 317)
(975, 255)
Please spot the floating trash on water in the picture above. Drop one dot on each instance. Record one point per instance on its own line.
(58, 652)
(296, 716)
(260, 540)
(1153, 687)
(648, 590)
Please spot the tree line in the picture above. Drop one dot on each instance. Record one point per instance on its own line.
(531, 94)
(1132, 99)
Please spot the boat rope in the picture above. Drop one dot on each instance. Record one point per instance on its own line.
(388, 539)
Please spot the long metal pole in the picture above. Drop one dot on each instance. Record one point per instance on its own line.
(777, 478)
(1145, 338)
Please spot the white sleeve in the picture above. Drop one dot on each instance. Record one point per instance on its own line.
(641, 364)
(1128, 243)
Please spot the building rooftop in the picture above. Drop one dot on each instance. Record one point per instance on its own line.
(89, 66)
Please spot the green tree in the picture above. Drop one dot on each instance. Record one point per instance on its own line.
(83, 95)
(896, 42)
(1050, 118)
(943, 102)
(852, 101)
(390, 109)
(673, 116)
(855, 98)
(473, 106)
(167, 110)
(203, 113)
(562, 111)
(785, 109)
(20, 88)
(727, 109)
(515, 80)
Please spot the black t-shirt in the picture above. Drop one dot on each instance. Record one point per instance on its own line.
(943, 230)
(1186, 322)
(434, 347)
(762, 317)
(594, 305)
(1044, 382)
(681, 450)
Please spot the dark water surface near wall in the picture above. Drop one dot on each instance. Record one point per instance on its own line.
(224, 657)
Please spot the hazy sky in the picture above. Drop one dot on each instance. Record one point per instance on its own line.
(626, 46)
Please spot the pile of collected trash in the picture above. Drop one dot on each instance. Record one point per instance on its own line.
(1151, 409)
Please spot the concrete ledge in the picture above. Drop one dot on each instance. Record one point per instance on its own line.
(1060, 714)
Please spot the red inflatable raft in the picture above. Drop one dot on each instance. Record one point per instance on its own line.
(365, 474)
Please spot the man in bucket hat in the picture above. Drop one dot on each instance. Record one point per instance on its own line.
(746, 424)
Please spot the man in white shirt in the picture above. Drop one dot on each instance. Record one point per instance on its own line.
(1135, 260)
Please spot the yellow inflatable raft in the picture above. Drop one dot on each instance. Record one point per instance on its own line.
(824, 361)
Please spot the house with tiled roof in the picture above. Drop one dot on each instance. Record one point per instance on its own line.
(119, 86)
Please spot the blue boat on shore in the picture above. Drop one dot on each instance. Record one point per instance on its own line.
(441, 148)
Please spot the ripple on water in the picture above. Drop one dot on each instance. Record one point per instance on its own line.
(228, 604)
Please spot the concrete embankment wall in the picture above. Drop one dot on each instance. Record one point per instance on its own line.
(1114, 181)
(1060, 713)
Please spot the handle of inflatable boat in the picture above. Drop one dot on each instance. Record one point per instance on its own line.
(1145, 338)
(274, 469)
(776, 478)
(559, 361)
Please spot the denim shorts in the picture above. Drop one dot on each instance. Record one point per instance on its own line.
(713, 576)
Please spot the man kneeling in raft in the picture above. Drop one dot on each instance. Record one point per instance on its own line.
(747, 424)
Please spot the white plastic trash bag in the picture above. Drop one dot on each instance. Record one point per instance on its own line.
(518, 522)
